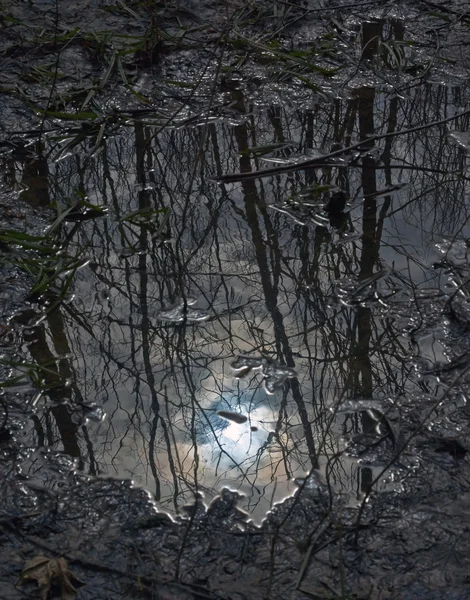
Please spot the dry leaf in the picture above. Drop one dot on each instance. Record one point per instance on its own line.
(49, 572)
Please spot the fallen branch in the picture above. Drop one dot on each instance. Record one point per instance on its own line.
(319, 160)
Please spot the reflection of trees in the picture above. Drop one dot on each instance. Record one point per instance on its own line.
(268, 283)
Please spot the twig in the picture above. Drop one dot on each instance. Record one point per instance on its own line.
(314, 162)
(8, 520)
(56, 72)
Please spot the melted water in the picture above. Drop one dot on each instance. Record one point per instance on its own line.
(240, 332)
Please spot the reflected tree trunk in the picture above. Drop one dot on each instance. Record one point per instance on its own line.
(253, 203)
(54, 378)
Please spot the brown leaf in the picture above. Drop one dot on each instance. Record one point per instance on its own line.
(48, 572)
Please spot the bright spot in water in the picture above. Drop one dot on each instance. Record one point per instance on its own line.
(238, 440)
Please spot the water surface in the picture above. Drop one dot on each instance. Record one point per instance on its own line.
(329, 272)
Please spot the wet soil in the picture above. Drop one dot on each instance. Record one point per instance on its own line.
(234, 312)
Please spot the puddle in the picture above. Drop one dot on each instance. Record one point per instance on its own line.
(315, 311)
